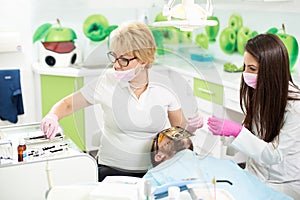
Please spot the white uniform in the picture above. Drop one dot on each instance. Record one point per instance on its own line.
(276, 163)
(130, 123)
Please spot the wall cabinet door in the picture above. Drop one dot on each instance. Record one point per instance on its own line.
(53, 89)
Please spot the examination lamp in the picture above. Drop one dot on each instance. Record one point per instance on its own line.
(187, 15)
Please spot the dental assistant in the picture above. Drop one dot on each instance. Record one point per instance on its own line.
(136, 102)
(270, 135)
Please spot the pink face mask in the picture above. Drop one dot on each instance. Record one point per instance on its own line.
(130, 74)
(250, 79)
(127, 75)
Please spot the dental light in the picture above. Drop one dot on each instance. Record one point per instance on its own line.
(187, 15)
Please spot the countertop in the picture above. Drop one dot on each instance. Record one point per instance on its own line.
(73, 71)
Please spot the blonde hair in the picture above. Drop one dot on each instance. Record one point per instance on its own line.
(133, 38)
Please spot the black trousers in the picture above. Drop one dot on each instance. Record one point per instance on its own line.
(104, 171)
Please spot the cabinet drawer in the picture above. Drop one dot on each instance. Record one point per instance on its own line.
(209, 91)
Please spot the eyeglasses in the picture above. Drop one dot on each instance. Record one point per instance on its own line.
(123, 62)
(174, 133)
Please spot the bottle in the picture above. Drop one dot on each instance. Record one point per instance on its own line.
(22, 154)
(147, 190)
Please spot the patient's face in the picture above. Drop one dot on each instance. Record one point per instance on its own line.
(167, 148)
(168, 142)
(163, 141)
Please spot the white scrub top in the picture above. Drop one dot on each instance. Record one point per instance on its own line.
(130, 123)
(276, 163)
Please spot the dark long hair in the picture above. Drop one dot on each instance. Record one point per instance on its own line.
(265, 106)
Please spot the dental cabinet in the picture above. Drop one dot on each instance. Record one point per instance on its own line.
(54, 83)
(48, 163)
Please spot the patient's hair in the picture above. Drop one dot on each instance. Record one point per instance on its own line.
(170, 149)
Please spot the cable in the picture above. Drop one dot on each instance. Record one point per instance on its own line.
(49, 180)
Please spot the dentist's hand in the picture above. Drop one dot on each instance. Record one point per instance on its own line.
(49, 125)
(223, 127)
(193, 123)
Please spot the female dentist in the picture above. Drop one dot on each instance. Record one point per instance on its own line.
(135, 100)
(270, 135)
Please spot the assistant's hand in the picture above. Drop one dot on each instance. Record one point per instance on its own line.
(193, 123)
(223, 127)
(49, 125)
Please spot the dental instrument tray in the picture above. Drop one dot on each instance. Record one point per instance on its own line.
(40, 146)
(37, 145)
(42, 139)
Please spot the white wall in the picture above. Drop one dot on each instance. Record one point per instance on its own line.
(72, 13)
(14, 17)
(25, 16)
(260, 15)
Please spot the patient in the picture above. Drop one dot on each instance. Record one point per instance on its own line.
(173, 160)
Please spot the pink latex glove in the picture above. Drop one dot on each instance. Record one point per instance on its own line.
(193, 123)
(49, 125)
(223, 127)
